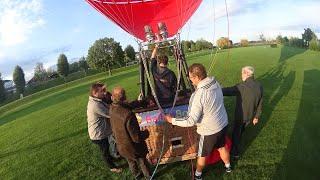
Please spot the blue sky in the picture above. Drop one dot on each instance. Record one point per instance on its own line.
(34, 31)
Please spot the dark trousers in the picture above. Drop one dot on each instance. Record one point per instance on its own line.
(133, 165)
(238, 129)
(104, 147)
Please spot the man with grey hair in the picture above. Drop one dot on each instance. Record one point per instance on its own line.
(248, 105)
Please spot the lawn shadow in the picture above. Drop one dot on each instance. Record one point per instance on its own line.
(43, 144)
(276, 85)
(288, 52)
(60, 97)
(300, 160)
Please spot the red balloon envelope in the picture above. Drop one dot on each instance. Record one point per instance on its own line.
(214, 157)
(133, 15)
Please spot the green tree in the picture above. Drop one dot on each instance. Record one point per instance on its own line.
(193, 46)
(307, 36)
(50, 71)
(285, 40)
(244, 42)
(104, 54)
(18, 79)
(40, 73)
(119, 56)
(262, 38)
(296, 42)
(186, 46)
(279, 39)
(2, 90)
(202, 44)
(83, 65)
(314, 45)
(74, 67)
(223, 43)
(63, 65)
(130, 53)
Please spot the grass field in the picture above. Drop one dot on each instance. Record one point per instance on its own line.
(44, 136)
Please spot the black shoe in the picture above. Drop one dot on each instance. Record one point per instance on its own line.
(197, 177)
(228, 169)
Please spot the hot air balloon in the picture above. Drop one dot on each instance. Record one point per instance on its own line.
(133, 15)
(152, 22)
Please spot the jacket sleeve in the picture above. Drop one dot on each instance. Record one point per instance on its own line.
(231, 91)
(194, 114)
(101, 110)
(133, 128)
(259, 107)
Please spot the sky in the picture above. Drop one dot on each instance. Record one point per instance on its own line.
(34, 31)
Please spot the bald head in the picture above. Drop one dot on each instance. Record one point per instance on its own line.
(118, 94)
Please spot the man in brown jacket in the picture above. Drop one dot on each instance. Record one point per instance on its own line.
(129, 138)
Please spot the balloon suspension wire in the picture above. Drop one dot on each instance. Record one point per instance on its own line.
(162, 112)
(229, 44)
(213, 56)
(188, 129)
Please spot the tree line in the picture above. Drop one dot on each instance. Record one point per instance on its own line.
(106, 54)
(308, 40)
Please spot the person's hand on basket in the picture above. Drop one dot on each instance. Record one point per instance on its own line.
(168, 118)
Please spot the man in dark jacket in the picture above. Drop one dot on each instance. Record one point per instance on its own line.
(248, 105)
(129, 138)
(164, 79)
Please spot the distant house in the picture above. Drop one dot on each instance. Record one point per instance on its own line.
(9, 86)
(31, 81)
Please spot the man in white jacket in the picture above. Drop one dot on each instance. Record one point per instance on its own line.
(207, 112)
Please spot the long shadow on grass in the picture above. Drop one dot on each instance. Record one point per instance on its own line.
(301, 159)
(288, 52)
(58, 98)
(276, 85)
(43, 144)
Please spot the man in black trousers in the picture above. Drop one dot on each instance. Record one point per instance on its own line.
(248, 105)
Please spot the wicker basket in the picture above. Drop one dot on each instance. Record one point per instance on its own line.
(179, 143)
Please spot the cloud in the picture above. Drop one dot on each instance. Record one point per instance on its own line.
(18, 19)
(248, 18)
(28, 62)
(2, 55)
